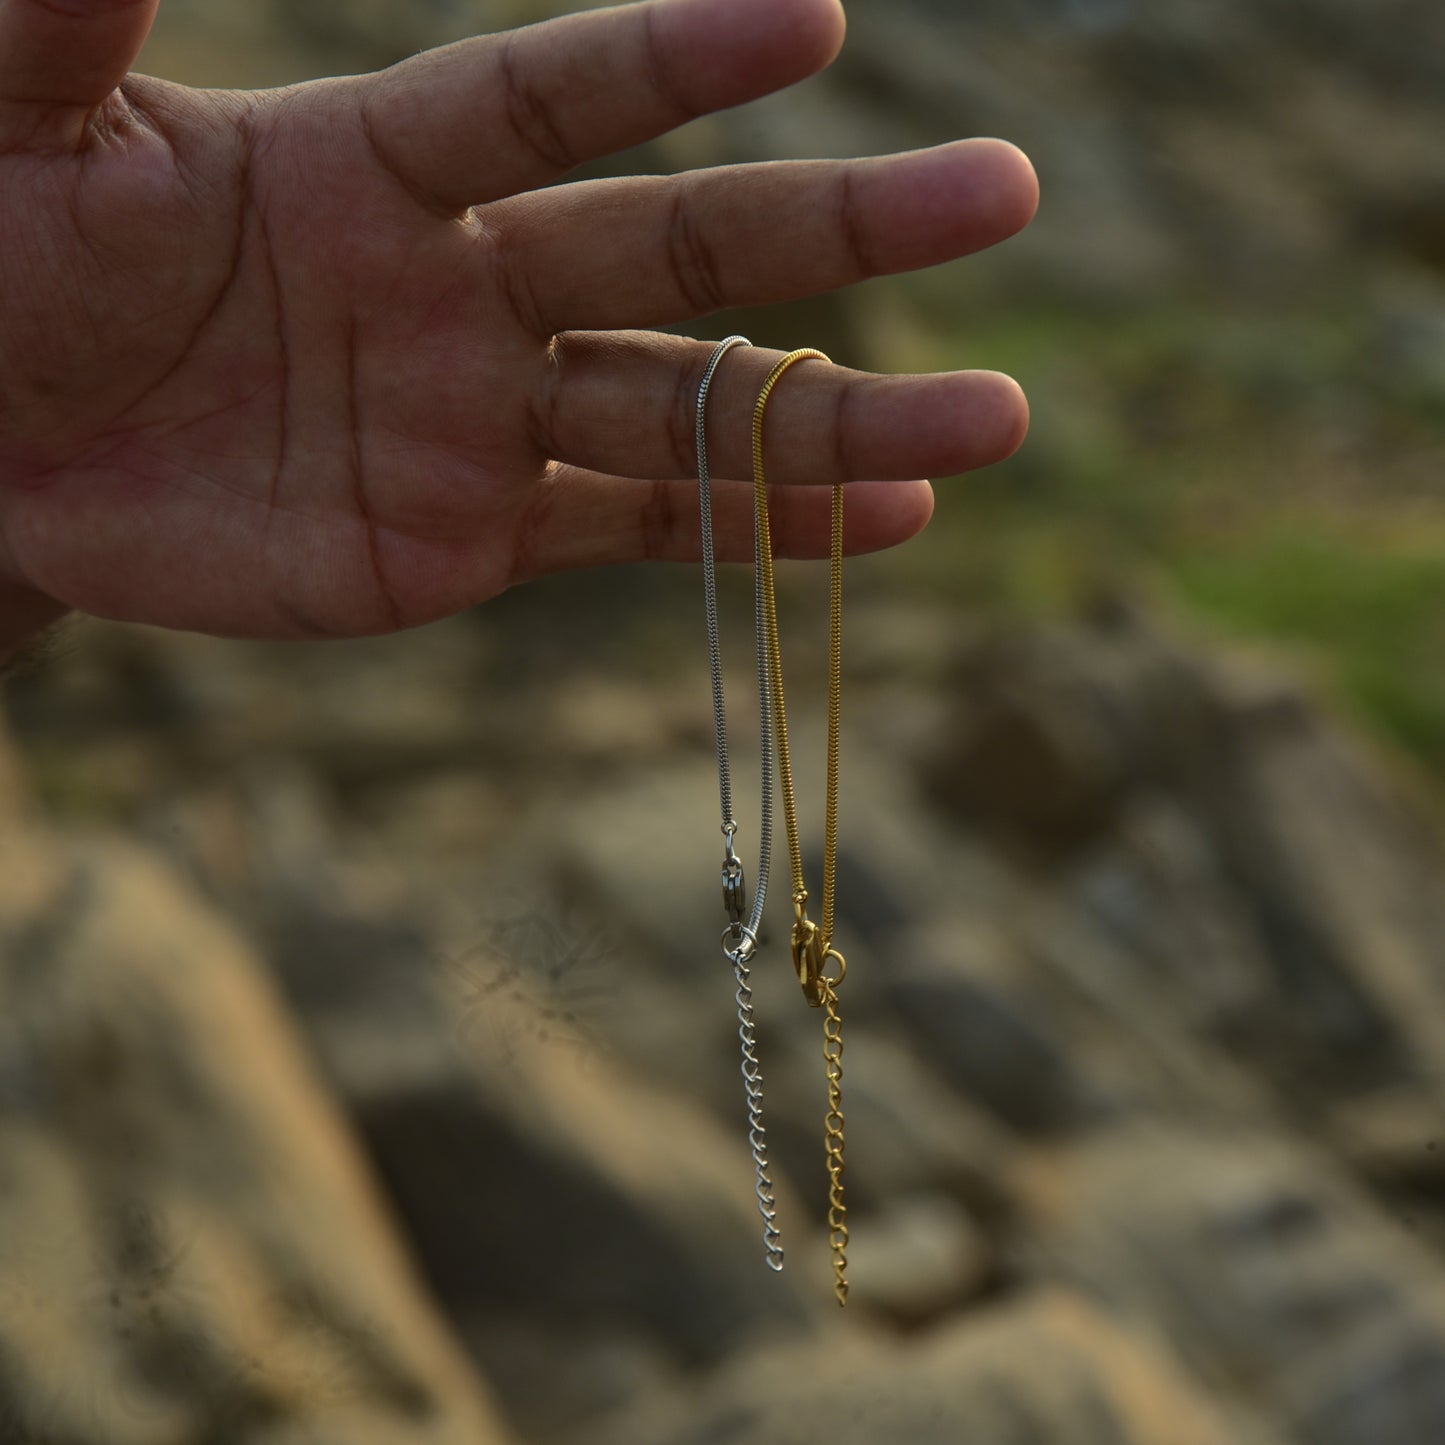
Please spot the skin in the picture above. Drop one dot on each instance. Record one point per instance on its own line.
(325, 361)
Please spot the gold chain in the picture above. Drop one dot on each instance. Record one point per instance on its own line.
(812, 945)
(833, 1141)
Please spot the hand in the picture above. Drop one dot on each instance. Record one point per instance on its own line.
(324, 361)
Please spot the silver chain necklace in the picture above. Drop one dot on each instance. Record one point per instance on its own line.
(740, 937)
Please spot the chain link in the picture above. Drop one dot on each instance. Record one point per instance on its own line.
(757, 1135)
(833, 1139)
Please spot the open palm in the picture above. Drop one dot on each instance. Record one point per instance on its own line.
(326, 361)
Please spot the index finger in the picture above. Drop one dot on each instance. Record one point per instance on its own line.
(490, 117)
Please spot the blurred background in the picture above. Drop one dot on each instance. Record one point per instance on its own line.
(367, 1063)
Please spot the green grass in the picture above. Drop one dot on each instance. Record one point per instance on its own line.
(1371, 608)
(1263, 471)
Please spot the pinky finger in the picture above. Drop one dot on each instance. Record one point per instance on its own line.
(584, 519)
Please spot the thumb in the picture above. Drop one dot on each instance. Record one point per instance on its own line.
(59, 59)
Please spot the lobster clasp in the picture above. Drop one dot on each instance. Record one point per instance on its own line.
(734, 885)
(811, 954)
(808, 955)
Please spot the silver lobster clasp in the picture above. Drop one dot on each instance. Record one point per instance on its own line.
(734, 888)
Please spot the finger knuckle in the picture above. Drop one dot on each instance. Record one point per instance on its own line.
(529, 114)
(691, 259)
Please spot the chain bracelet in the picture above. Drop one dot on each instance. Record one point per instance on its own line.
(740, 938)
(812, 945)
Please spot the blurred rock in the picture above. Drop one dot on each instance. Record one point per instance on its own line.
(1396, 1141)
(1049, 1369)
(1158, 890)
(528, 1167)
(1053, 730)
(539, 1182)
(190, 1246)
(556, 1379)
(1271, 1276)
(909, 1133)
(918, 1260)
(971, 1021)
(1266, 873)
(1165, 155)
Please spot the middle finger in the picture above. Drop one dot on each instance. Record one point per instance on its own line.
(625, 403)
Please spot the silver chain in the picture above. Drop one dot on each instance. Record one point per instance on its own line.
(740, 939)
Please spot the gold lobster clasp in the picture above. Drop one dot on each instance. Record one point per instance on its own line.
(811, 955)
(808, 960)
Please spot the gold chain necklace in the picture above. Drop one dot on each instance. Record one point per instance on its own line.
(812, 943)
